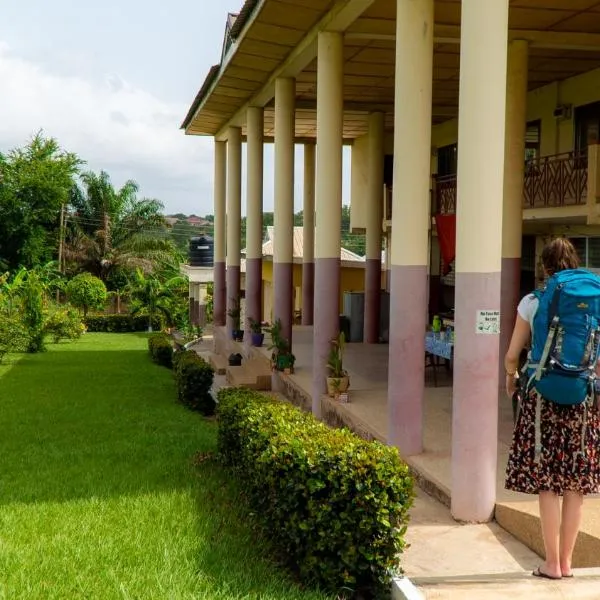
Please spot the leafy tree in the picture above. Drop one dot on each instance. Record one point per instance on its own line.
(114, 229)
(32, 293)
(85, 291)
(151, 297)
(35, 182)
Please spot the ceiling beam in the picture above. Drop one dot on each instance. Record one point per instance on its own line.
(450, 34)
(339, 18)
(370, 107)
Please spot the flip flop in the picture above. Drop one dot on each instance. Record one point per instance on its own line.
(539, 573)
(569, 576)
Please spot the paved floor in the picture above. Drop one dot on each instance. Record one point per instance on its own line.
(368, 368)
(448, 561)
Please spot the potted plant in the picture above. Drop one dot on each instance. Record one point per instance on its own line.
(338, 380)
(235, 313)
(256, 329)
(281, 357)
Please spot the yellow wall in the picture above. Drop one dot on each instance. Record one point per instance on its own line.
(558, 135)
(352, 280)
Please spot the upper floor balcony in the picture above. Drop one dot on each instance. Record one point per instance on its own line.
(549, 182)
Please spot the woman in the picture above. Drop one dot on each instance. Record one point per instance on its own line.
(556, 473)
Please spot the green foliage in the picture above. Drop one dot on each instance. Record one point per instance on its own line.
(32, 294)
(119, 323)
(194, 377)
(13, 337)
(35, 183)
(336, 506)
(281, 356)
(161, 350)
(111, 230)
(64, 323)
(151, 296)
(335, 361)
(86, 292)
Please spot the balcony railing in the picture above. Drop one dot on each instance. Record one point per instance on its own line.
(550, 181)
(559, 180)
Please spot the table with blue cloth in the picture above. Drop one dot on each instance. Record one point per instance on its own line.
(436, 347)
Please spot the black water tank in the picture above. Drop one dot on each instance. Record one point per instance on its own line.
(201, 252)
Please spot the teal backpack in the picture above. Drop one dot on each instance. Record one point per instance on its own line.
(566, 338)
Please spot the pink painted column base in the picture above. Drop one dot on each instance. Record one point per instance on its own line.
(406, 383)
(326, 324)
(253, 292)
(233, 293)
(372, 300)
(283, 275)
(308, 293)
(219, 295)
(509, 300)
(475, 401)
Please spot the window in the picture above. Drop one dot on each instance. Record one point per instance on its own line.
(588, 249)
(447, 160)
(533, 137)
(587, 126)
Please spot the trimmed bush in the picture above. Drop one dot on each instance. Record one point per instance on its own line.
(334, 504)
(161, 350)
(194, 378)
(64, 323)
(119, 323)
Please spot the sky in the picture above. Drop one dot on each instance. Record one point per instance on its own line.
(112, 81)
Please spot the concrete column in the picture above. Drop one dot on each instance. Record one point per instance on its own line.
(308, 259)
(328, 236)
(234, 217)
(483, 58)
(254, 226)
(219, 286)
(283, 259)
(514, 173)
(410, 232)
(374, 228)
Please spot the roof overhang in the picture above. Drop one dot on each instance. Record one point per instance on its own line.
(278, 38)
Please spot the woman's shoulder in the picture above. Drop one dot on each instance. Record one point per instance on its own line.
(528, 306)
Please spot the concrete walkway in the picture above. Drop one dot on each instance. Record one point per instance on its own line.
(448, 561)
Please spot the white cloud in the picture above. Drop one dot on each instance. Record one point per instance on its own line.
(110, 124)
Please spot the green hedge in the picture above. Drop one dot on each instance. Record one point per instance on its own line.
(161, 349)
(194, 378)
(119, 323)
(336, 505)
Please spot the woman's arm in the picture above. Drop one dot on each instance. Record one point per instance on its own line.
(520, 337)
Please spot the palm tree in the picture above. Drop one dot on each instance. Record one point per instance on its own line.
(151, 297)
(113, 229)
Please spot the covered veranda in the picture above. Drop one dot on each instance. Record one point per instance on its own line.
(323, 73)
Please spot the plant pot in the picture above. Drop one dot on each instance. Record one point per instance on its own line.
(284, 361)
(235, 360)
(258, 339)
(337, 385)
(237, 335)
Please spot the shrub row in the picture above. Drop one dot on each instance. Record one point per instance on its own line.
(161, 350)
(120, 323)
(194, 379)
(336, 505)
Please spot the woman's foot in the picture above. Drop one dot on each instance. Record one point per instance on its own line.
(546, 572)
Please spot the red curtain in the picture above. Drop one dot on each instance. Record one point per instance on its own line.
(446, 230)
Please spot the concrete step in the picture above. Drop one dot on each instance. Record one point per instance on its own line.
(252, 374)
(511, 585)
(219, 363)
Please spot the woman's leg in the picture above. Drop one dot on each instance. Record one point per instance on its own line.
(572, 510)
(550, 518)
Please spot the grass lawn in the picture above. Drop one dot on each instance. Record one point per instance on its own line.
(100, 496)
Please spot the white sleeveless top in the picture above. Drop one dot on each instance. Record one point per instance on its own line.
(527, 309)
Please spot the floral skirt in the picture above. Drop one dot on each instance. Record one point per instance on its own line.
(563, 463)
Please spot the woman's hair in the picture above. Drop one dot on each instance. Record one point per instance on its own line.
(559, 255)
